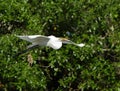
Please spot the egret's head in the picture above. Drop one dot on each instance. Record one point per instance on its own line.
(80, 45)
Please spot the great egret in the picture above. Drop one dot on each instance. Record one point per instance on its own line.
(51, 41)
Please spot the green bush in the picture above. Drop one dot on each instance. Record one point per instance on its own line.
(94, 67)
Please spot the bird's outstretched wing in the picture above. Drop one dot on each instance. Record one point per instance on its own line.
(34, 38)
(67, 41)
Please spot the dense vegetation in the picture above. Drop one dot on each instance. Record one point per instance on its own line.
(95, 67)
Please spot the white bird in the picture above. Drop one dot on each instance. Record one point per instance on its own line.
(51, 41)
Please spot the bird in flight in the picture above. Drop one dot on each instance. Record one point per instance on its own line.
(50, 41)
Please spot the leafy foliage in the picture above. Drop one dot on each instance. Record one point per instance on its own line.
(94, 67)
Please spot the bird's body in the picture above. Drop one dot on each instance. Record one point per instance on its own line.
(51, 41)
(54, 42)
